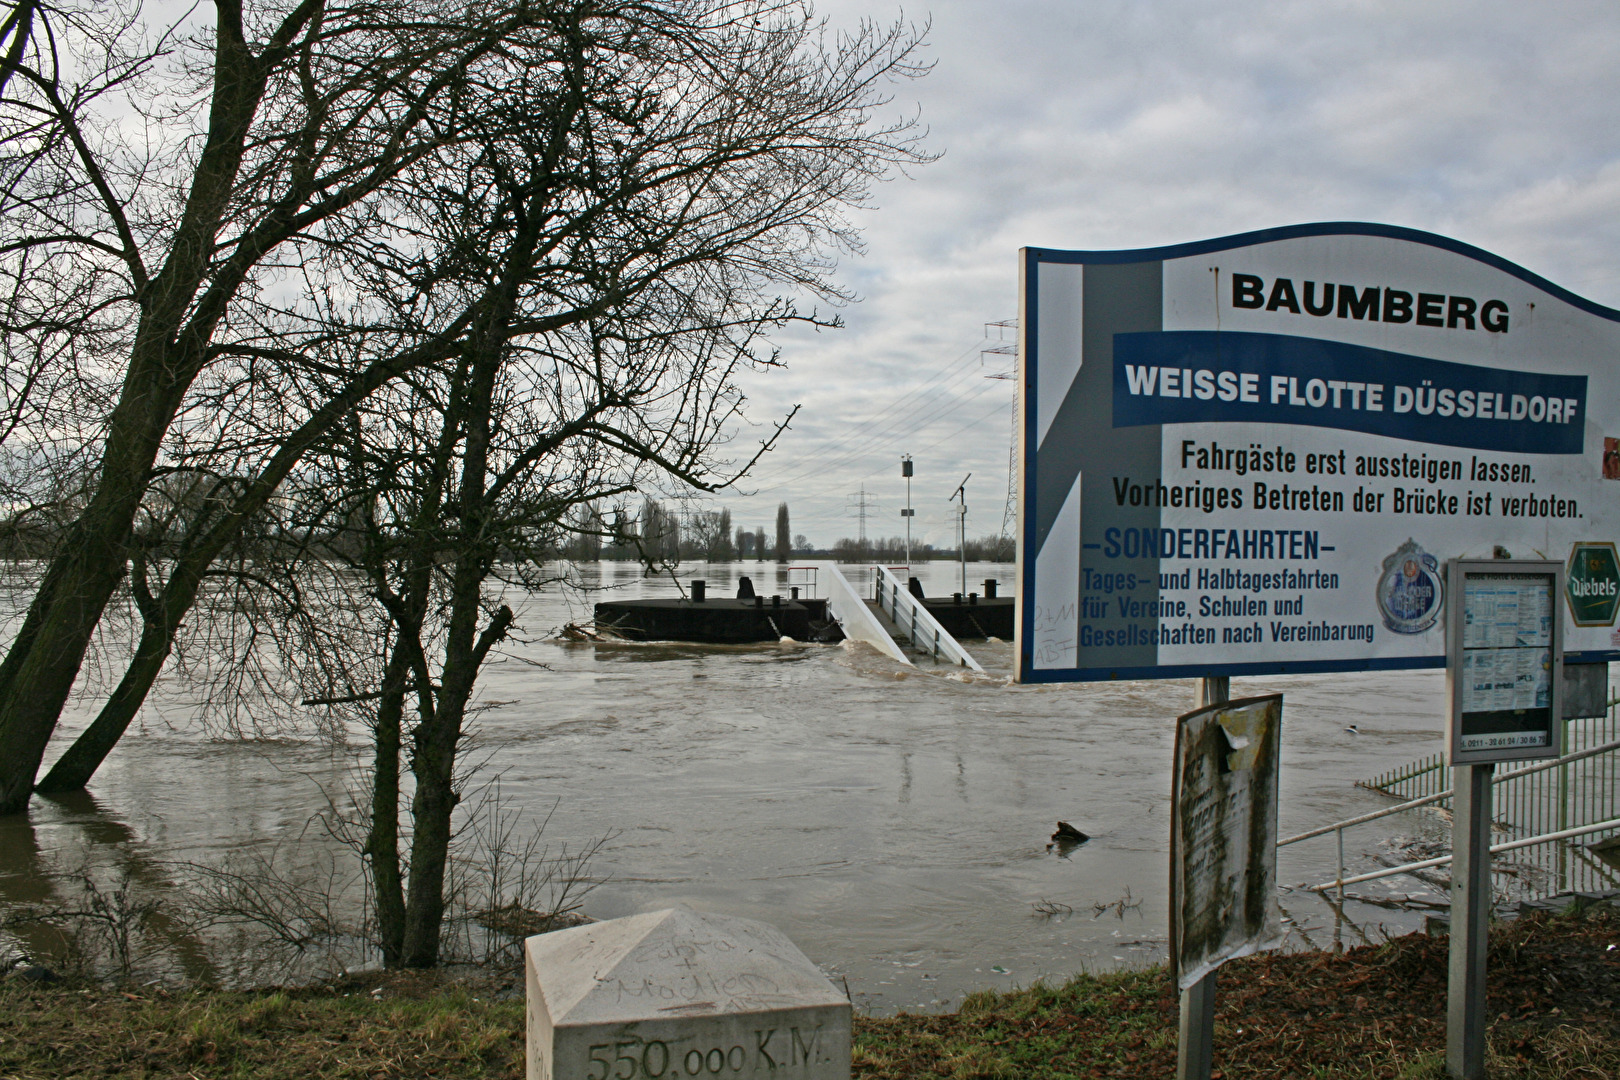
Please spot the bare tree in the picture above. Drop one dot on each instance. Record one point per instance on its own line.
(697, 160)
(231, 298)
(184, 216)
(659, 539)
(499, 457)
(784, 535)
(708, 535)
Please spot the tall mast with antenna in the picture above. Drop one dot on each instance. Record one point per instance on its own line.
(961, 550)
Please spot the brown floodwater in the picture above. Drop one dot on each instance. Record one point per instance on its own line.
(893, 821)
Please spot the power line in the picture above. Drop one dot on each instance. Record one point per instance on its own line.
(903, 410)
(976, 422)
(823, 467)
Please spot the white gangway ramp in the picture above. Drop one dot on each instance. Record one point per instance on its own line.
(844, 603)
(914, 620)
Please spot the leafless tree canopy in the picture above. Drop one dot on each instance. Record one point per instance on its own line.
(369, 303)
(216, 243)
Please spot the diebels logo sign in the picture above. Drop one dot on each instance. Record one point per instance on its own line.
(1256, 454)
(1593, 584)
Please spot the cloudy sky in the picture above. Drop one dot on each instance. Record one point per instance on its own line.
(1112, 124)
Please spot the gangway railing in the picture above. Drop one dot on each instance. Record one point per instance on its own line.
(845, 603)
(807, 582)
(1337, 828)
(914, 620)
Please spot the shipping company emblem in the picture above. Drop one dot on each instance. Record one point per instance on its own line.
(1592, 583)
(1410, 590)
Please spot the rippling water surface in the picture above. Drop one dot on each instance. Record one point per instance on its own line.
(892, 821)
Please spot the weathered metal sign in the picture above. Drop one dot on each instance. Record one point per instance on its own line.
(1253, 454)
(1223, 838)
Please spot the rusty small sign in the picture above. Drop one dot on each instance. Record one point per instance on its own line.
(1223, 835)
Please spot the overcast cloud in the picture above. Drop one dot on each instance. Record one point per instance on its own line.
(1103, 125)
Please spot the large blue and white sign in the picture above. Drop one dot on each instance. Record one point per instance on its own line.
(1255, 454)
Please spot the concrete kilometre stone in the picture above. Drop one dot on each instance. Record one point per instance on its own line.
(677, 995)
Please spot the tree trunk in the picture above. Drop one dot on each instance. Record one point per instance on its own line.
(80, 762)
(382, 842)
(74, 768)
(159, 623)
(436, 798)
(437, 740)
(431, 807)
(44, 659)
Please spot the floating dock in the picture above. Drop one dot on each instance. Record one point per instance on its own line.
(719, 620)
(973, 616)
(896, 619)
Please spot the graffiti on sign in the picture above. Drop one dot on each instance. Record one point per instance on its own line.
(1223, 842)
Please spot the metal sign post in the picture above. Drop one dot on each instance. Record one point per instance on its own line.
(1223, 852)
(961, 551)
(1470, 920)
(1195, 1052)
(1504, 683)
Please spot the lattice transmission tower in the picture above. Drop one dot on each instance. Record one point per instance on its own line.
(860, 504)
(1006, 338)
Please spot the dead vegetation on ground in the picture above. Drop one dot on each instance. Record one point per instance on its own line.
(1373, 1012)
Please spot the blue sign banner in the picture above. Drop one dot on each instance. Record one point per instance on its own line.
(1203, 376)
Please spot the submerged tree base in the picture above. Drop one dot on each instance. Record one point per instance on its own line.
(1374, 1012)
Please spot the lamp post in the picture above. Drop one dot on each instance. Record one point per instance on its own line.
(908, 513)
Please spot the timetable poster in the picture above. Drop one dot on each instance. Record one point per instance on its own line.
(1507, 660)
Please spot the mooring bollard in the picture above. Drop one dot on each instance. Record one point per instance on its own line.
(680, 993)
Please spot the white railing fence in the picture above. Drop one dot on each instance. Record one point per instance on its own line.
(915, 621)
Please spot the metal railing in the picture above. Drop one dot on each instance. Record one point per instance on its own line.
(1425, 776)
(1443, 860)
(915, 621)
(807, 582)
(1552, 865)
(1530, 804)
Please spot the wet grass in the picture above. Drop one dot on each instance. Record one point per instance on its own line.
(1374, 1012)
(410, 1027)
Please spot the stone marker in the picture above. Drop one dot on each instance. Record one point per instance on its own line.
(680, 994)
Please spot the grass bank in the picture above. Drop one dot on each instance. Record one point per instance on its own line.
(1373, 1012)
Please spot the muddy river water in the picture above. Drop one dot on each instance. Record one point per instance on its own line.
(892, 821)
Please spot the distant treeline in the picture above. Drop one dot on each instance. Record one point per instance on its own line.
(657, 531)
(660, 532)
(892, 549)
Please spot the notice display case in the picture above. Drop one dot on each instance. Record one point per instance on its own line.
(1504, 660)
